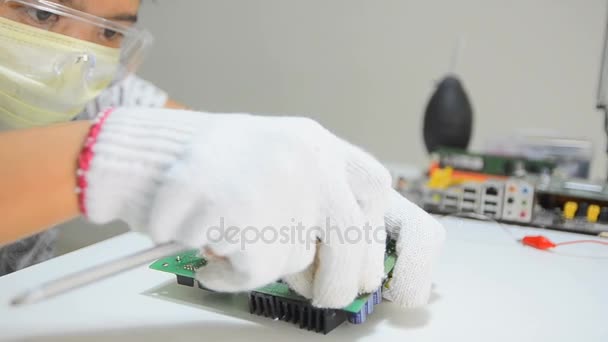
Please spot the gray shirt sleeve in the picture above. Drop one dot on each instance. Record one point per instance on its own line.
(27, 252)
(130, 92)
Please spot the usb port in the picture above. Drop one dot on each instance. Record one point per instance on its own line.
(490, 203)
(492, 191)
(450, 204)
(469, 200)
(470, 190)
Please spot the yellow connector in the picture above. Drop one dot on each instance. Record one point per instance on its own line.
(593, 212)
(442, 179)
(570, 210)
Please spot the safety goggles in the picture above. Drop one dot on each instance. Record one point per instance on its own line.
(54, 17)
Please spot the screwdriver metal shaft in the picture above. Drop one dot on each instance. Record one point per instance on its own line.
(96, 273)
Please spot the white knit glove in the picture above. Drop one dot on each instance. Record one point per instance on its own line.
(183, 176)
(420, 239)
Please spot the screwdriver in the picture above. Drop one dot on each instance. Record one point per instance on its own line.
(96, 273)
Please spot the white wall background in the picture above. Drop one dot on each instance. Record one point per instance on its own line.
(365, 69)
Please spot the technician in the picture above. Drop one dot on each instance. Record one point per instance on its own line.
(206, 180)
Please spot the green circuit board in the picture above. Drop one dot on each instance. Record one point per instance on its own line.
(186, 264)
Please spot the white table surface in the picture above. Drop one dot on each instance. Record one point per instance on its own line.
(487, 288)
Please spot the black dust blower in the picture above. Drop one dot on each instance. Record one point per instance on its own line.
(448, 119)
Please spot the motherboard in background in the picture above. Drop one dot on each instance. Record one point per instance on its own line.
(512, 190)
(278, 301)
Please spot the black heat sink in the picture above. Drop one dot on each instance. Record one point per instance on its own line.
(296, 312)
(288, 310)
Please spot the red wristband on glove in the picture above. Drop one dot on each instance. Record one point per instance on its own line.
(86, 156)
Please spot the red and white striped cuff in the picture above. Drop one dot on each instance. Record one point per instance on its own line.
(86, 156)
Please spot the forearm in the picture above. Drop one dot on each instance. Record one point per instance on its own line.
(38, 178)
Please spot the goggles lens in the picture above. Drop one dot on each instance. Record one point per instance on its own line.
(54, 17)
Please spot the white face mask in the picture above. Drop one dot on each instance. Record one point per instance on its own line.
(46, 77)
